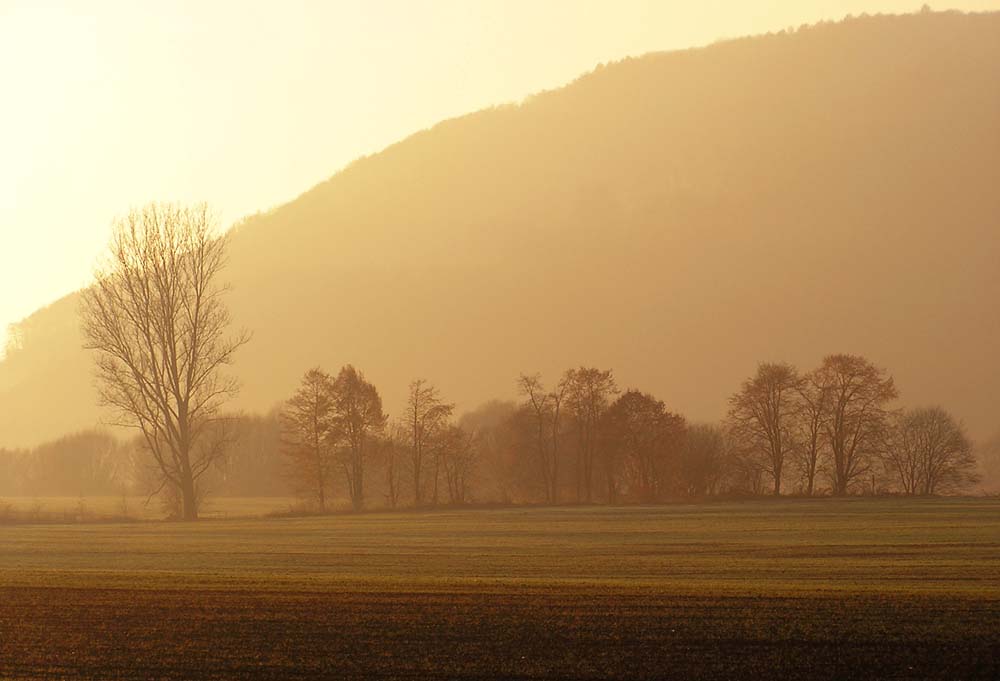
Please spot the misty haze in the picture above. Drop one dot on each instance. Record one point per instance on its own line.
(624, 341)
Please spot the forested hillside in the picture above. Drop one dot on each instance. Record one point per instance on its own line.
(677, 217)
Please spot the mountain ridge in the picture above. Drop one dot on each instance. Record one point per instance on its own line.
(677, 216)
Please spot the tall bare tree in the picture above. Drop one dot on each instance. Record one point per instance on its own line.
(392, 447)
(458, 456)
(546, 411)
(588, 394)
(809, 443)
(357, 419)
(156, 319)
(425, 416)
(762, 418)
(308, 435)
(857, 422)
(930, 453)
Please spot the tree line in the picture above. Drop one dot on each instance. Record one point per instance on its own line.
(830, 431)
(582, 440)
(836, 424)
(156, 321)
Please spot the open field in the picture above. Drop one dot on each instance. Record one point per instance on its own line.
(825, 588)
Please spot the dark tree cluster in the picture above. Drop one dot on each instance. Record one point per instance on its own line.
(330, 427)
(583, 440)
(836, 425)
(579, 440)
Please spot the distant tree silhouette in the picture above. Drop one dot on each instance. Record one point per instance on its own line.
(426, 414)
(588, 394)
(857, 419)
(646, 440)
(308, 434)
(392, 447)
(704, 460)
(156, 320)
(88, 463)
(8, 468)
(809, 443)
(357, 419)
(762, 418)
(495, 427)
(546, 413)
(458, 449)
(930, 453)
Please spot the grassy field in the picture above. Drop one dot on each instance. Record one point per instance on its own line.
(820, 588)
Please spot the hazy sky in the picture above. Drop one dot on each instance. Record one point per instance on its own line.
(245, 105)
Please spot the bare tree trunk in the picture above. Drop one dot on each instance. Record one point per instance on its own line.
(840, 489)
(390, 470)
(417, 495)
(554, 478)
(437, 475)
(320, 473)
(579, 474)
(359, 490)
(188, 495)
(321, 482)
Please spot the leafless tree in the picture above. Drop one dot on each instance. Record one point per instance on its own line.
(856, 425)
(704, 460)
(903, 454)
(546, 411)
(930, 453)
(762, 418)
(156, 319)
(458, 456)
(809, 443)
(392, 447)
(588, 395)
(357, 418)
(308, 435)
(425, 415)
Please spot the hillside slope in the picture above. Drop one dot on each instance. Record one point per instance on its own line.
(678, 217)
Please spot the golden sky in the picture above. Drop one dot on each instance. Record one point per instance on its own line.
(245, 105)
